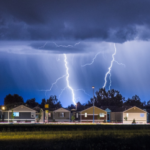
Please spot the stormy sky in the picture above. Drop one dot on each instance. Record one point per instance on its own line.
(35, 35)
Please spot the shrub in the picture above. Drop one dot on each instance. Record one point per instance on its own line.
(125, 118)
(133, 121)
(72, 118)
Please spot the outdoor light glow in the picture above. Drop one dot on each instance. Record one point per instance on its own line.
(67, 79)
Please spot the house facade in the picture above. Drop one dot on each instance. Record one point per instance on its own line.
(86, 115)
(136, 113)
(21, 114)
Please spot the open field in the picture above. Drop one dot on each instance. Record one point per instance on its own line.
(74, 137)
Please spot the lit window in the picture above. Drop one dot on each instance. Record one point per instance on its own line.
(76, 115)
(16, 114)
(101, 114)
(85, 114)
(32, 114)
(61, 114)
(49, 114)
(127, 115)
(141, 115)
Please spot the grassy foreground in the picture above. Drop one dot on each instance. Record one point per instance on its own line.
(63, 137)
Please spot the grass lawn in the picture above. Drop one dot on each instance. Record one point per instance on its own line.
(74, 137)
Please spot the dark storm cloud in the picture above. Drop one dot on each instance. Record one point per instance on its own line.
(106, 20)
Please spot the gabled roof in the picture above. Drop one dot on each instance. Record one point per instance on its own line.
(22, 108)
(61, 109)
(134, 107)
(91, 107)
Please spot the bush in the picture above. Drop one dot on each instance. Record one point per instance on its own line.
(72, 118)
(133, 121)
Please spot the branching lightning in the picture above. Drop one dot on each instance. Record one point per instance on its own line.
(92, 61)
(109, 69)
(66, 45)
(53, 84)
(67, 79)
(83, 91)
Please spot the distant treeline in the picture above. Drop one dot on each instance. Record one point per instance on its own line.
(102, 98)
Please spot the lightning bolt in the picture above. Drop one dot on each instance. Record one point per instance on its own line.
(83, 91)
(61, 92)
(53, 84)
(92, 60)
(109, 69)
(67, 79)
(66, 45)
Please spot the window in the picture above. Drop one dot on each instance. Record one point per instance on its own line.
(76, 115)
(101, 114)
(61, 114)
(49, 114)
(32, 115)
(85, 114)
(127, 114)
(16, 114)
(142, 115)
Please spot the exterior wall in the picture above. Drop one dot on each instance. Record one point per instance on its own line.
(136, 116)
(116, 117)
(89, 117)
(58, 118)
(135, 113)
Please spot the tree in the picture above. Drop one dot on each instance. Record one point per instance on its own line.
(107, 98)
(12, 115)
(53, 102)
(11, 100)
(43, 103)
(32, 103)
(40, 115)
(134, 101)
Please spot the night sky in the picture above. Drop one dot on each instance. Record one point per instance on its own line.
(36, 35)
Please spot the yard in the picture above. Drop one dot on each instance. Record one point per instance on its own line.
(74, 137)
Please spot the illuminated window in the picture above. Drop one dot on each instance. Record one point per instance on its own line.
(32, 114)
(85, 114)
(127, 114)
(61, 114)
(16, 114)
(141, 115)
(76, 115)
(101, 114)
(49, 114)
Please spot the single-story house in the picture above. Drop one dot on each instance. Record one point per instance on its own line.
(126, 115)
(136, 113)
(61, 115)
(86, 115)
(21, 114)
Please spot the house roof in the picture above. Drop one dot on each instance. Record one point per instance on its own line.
(23, 108)
(136, 108)
(59, 109)
(92, 106)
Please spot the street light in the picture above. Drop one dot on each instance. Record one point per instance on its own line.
(3, 108)
(93, 102)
